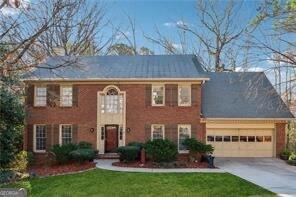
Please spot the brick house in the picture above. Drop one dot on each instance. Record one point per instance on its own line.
(110, 101)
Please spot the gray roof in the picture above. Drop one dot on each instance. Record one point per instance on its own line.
(112, 67)
(241, 95)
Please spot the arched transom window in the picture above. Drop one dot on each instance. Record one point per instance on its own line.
(112, 101)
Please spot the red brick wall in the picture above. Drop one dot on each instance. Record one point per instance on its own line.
(137, 113)
(280, 137)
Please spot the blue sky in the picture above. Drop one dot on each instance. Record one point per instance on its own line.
(163, 14)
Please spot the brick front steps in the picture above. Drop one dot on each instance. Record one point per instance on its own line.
(108, 156)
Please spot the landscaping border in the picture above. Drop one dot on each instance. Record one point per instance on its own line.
(106, 164)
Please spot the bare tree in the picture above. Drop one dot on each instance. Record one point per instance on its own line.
(34, 31)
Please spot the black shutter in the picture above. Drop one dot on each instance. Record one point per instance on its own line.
(30, 137)
(75, 95)
(148, 95)
(29, 95)
(49, 137)
(75, 133)
(195, 94)
(56, 134)
(147, 132)
(175, 95)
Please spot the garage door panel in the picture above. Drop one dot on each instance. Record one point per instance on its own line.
(256, 147)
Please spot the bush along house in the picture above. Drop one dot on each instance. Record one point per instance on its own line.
(110, 101)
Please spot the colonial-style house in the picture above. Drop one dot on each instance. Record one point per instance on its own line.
(110, 101)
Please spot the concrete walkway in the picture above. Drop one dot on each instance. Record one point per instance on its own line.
(106, 164)
(270, 173)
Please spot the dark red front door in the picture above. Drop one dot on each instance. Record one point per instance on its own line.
(111, 142)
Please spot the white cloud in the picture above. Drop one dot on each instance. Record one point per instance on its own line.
(175, 24)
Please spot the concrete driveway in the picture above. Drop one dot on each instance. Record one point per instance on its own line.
(270, 173)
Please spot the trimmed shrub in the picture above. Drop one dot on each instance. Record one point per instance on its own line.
(137, 144)
(62, 153)
(161, 150)
(196, 146)
(84, 144)
(128, 153)
(7, 176)
(20, 162)
(83, 154)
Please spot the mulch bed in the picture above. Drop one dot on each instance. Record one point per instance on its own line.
(41, 170)
(150, 164)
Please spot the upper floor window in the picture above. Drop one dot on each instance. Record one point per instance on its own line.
(65, 134)
(40, 96)
(184, 95)
(157, 95)
(39, 138)
(157, 131)
(66, 96)
(112, 101)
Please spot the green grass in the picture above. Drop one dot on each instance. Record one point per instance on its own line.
(108, 183)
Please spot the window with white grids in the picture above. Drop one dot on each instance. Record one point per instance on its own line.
(66, 96)
(184, 132)
(157, 131)
(184, 95)
(157, 95)
(39, 138)
(40, 96)
(66, 134)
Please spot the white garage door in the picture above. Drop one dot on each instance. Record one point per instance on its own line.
(241, 142)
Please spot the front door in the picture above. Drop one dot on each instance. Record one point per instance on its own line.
(111, 140)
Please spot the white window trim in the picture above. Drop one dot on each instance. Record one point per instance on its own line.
(158, 85)
(179, 100)
(60, 132)
(61, 95)
(35, 96)
(163, 130)
(34, 139)
(183, 125)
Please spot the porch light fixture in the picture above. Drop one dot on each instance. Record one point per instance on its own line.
(128, 130)
(92, 130)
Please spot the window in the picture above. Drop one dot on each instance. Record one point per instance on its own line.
(267, 138)
(66, 134)
(259, 138)
(66, 96)
(184, 95)
(158, 95)
(251, 138)
(39, 138)
(210, 138)
(184, 132)
(243, 138)
(218, 138)
(234, 138)
(111, 101)
(226, 138)
(40, 96)
(157, 131)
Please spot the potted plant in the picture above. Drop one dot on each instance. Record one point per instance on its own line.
(285, 154)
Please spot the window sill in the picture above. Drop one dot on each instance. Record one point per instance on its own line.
(183, 151)
(39, 151)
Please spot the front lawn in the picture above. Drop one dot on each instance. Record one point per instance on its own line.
(108, 183)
